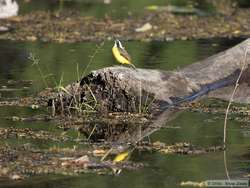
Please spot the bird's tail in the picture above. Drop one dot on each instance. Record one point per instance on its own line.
(132, 65)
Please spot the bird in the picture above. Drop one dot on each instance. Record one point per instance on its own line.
(121, 55)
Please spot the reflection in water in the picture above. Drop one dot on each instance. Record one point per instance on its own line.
(244, 3)
(12, 60)
(8, 8)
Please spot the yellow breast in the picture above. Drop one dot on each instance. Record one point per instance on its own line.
(119, 57)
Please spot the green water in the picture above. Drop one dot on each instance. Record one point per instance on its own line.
(76, 59)
(116, 9)
(61, 61)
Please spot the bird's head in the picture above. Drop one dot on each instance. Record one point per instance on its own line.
(118, 44)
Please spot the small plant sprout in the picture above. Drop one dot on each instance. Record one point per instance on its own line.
(35, 62)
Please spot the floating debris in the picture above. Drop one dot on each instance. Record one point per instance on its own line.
(144, 28)
(16, 177)
(83, 161)
(20, 162)
(177, 9)
(179, 148)
(4, 29)
(26, 133)
(32, 118)
(99, 152)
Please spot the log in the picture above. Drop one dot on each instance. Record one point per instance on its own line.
(122, 89)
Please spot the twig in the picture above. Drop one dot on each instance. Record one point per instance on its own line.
(35, 61)
(225, 164)
(232, 97)
(92, 57)
(91, 133)
(140, 98)
(227, 111)
(106, 154)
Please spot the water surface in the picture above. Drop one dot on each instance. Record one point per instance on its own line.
(115, 9)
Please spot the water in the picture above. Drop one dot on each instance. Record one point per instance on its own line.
(116, 9)
(15, 65)
(60, 61)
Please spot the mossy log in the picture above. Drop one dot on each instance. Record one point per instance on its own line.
(122, 89)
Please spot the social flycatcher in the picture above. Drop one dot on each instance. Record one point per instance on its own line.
(121, 55)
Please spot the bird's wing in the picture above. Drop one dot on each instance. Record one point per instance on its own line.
(125, 54)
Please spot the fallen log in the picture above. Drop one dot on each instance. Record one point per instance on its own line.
(122, 89)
